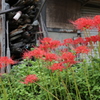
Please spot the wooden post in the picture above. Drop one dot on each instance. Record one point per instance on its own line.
(2, 32)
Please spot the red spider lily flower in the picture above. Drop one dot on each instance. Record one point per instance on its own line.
(57, 66)
(83, 23)
(79, 40)
(68, 41)
(87, 39)
(46, 47)
(68, 58)
(45, 43)
(82, 49)
(54, 44)
(1, 65)
(94, 38)
(46, 40)
(98, 38)
(50, 57)
(96, 20)
(27, 54)
(6, 61)
(48, 43)
(37, 53)
(30, 79)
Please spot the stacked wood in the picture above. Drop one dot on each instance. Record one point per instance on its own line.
(22, 34)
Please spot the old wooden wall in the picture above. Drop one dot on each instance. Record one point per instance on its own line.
(0, 25)
(2, 29)
(59, 12)
(2, 33)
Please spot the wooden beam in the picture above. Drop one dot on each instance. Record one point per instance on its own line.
(83, 1)
(2, 32)
(86, 1)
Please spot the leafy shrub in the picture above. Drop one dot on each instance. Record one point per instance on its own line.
(56, 74)
(80, 82)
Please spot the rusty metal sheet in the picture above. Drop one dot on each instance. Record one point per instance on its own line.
(59, 12)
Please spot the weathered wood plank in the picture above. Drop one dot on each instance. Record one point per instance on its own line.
(2, 32)
(0, 26)
(59, 12)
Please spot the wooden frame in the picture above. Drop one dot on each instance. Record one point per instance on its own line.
(2, 33)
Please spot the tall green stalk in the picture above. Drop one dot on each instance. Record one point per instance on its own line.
(4, 90)
(47, 91)
(57, 76)
(65, 86)
(76, 87)
(53, 82)
(86, 78)
(99, 45)
(41, 68)
(67, 80)
(10, 87)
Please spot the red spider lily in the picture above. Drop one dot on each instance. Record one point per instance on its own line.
(46, 40)
(37, 53)
(94, 38)
(54, 44)
(30, 79)
(79, 40)
(45, 43)
(83, 23)
(68, 58)
(2, 65)
(88, 39)
(27, 54)
(82, 49)
(45, 47)
(6, 61)
(96, 20)
(48, 44)
(50, 57)
(98, 38)
(68, 41)
(57, 66)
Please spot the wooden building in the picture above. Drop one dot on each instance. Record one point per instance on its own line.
(60, 12)
(57, 15)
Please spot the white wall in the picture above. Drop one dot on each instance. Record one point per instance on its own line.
(61, 36)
